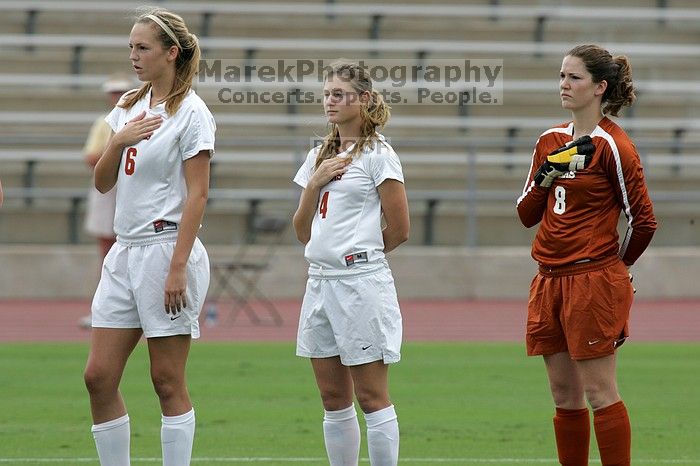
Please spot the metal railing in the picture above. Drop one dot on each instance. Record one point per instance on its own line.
(430, 199)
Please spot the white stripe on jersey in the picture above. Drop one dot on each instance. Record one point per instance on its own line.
(600, 132)
(528, 187)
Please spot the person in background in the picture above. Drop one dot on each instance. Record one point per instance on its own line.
(99, 217)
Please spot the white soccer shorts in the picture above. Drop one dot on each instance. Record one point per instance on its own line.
(355, 317)
(132, 288)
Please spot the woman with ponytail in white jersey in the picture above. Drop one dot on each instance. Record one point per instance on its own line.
(154, 279)
(350, 324)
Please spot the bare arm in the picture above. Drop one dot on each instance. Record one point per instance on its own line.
(305, 213)
(136, 130)
(308, 201)
(197, 179)
(395, 209)
(107, 166)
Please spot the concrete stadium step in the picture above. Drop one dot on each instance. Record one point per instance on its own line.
(47, 220)
(59, 61)
(103, 60)
(49, 224)
(497, 224)
(448, 171)
(515, 103)
(396, 26)
(249, 125)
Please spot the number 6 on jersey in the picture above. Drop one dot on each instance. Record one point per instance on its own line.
(130, 163)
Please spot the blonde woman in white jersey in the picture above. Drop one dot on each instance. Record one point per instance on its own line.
(155, 277)
(350, 325)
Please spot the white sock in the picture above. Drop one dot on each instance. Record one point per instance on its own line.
(176, 438)
(112, 441)
(383, 437)
(341, 432)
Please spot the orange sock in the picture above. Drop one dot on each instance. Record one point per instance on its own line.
(612, 430)
(572, 429)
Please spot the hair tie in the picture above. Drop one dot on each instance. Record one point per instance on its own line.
(165, 28)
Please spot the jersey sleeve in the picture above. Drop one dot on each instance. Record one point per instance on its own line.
(385, 164)
(533, 201)
(306, 170)
(198, 132)
(112, 118)
(626, 175)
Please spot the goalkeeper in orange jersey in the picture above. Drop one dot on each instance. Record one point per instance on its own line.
(584, 173)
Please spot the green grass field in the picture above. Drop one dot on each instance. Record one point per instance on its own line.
(256, 403)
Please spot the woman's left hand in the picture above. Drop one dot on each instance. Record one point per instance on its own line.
(175, 287)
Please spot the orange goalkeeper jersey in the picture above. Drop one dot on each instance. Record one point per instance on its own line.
(578, 214)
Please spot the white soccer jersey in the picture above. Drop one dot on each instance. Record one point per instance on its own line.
(151, 188)
(346, 228)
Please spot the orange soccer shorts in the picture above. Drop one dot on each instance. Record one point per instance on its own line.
(582, 308)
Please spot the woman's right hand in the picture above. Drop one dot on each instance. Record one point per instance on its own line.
(329, 169)
(138, 129)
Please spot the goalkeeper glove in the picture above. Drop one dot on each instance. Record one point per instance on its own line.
(573, 156)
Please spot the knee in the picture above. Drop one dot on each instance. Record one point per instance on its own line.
(335, 399)
(165, 386)
(566, 395)
(371, 400)
(601, 395)
(98, 380)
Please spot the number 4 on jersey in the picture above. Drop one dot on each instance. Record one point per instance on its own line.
(130, 164)
(323, 206)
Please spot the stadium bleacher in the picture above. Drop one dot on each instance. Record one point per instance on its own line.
(465, 166)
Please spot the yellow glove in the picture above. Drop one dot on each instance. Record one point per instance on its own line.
(576, 155)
